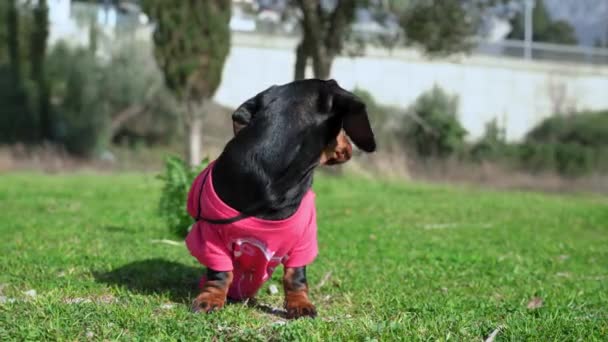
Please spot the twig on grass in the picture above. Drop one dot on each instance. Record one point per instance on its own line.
(493, 334)
(168, 242)
(323, 280)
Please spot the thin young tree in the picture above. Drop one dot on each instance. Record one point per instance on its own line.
(191, 44)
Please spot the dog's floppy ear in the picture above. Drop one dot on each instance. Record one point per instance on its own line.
(246, 111)
(353, 112)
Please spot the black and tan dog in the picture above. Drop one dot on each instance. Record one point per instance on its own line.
(266, 170)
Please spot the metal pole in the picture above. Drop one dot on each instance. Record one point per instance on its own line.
(528, 28)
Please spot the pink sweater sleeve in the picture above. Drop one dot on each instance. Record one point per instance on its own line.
(306, 249)
(207, 246)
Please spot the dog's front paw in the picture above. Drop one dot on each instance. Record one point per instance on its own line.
(300, 307)
(208, 302)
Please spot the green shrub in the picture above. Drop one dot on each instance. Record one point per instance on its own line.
(570, 145)
(566, 159)
(431, 127)
(177, 179)
(585, 128)
(93, 98)
(381, 117)
(493, 146)
(536, 157)
(81, 118)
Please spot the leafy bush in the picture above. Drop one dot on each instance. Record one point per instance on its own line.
(566, 159)
(493, 144)
(381, 117)
(584, 128)
(431, 127)
(177, 179)
(98, 101)
(570, 145)
(80, 115)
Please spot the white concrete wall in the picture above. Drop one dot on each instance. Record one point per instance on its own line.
(519, 93)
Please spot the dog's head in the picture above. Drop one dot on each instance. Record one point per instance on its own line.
(318, 116)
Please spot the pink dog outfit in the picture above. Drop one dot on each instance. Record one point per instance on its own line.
(251, 248)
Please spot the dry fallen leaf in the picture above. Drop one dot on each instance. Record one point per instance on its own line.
(535, 303)
(167, 306)
(77, 300)
(4, 299)
(30, 293)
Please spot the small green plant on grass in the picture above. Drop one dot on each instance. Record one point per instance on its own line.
(177, 179)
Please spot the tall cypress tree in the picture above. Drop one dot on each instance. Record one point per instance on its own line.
(24, 97)
(192, 41)
(17, 118)
(4, 5)
(14, 55)
(38, 40)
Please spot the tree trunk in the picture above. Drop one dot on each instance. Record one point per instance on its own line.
(195, 141)
(119, 119)
(320, 60)
(195, 135)
(301, 61)
(322, 66)
(312, 47)
(322, 37)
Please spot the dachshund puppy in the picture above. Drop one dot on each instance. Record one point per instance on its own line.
(253, 205)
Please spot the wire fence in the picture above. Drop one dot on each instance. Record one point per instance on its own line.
(544, 52)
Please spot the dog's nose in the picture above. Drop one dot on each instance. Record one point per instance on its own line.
(344, 152)
(339, 151)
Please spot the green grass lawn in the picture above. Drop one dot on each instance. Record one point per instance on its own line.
(399, 261)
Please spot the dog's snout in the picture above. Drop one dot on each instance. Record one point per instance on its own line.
(338, 152)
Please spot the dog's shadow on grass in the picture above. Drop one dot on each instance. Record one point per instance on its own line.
(158, 276)
(155, 276)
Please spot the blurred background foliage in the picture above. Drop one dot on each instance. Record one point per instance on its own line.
(92, 100)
